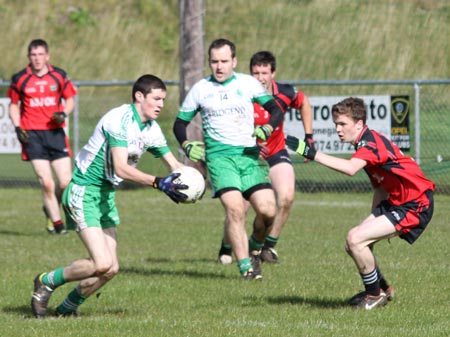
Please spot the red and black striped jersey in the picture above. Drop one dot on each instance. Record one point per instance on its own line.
(286, 97)
(388, 167)
(40, 97)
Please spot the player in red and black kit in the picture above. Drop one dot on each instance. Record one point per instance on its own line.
(263, 67)
(38, 113)
(402, 201)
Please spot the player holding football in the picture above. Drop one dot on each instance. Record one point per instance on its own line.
(120, 138)
(39, 121)
(225, 101)
(263, 68)
(402, 200)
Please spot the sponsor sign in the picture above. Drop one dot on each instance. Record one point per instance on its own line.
(8, 139)
(378, 118)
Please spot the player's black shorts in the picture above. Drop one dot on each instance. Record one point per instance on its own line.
(281, 156)
(46, 144)
(410, 219)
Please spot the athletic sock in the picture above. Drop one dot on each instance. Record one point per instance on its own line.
(254, 244)
(225, 249)
(371, 283)
(54, 278)
(71, 302)
(383, 283)
(244, 265)
(58, 224)
(270, 242)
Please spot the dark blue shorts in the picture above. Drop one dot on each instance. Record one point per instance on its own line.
(281, 156)
(47, 145)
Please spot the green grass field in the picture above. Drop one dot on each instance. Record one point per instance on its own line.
(170, 285)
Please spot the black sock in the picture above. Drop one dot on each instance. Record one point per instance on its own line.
(371, 283)
(225, 249)
(270, 242)
(383, 283)
(58, 224)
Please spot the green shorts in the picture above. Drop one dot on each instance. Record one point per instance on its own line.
(238, 172)
(90, 206)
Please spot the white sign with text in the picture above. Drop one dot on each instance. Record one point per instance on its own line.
(8, 139)
(324, 132)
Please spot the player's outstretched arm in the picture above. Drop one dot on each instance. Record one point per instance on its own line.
(346, 166)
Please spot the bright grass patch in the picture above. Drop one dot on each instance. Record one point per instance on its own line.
(170, 284)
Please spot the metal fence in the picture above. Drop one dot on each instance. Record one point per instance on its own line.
(429, 124)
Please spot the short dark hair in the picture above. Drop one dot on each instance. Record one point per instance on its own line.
(145, 84)
(37, 43)
(219, 43)
(352, 107)
(263, 57)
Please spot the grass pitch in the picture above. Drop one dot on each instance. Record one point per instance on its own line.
(170, 284)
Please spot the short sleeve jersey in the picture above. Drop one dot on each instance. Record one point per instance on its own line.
(40, 97)
(388, 167)
(120, 127)
(226, 110)
(287, 97)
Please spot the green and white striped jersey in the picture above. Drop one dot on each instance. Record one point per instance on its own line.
(226, 110)
(119, 127)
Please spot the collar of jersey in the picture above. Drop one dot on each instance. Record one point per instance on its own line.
(30, 71)
(138, 118)
(358, 142)
(213, 79)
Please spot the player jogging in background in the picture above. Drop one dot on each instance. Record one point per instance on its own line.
(38, 112)
(263, 68)
(402, 200)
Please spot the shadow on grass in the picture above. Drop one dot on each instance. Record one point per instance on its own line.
(16, 233)
(22, 310)
(319, 302)
(168, 260)
(165, 272)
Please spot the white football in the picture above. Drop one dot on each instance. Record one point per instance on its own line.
(192, 178)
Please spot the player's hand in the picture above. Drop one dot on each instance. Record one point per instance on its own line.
(170, 188)
(263, 132)
(310, 142)
(301, 147)
(195, 150)
(22, 135)
(59, 117)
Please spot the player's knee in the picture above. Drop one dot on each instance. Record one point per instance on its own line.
(351, 242)
(235, 215)
(103, 267)
(285, 202)
(63, 184)
(47, 184)
(347, 249)
(267, 209)
(112, 272)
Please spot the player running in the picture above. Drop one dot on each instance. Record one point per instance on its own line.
(120, 138)
(263, 68)
(402, 200)
(225, 102)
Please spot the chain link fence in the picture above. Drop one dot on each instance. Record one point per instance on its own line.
(428, 129)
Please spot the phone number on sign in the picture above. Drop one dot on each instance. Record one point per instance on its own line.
(332, 146)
